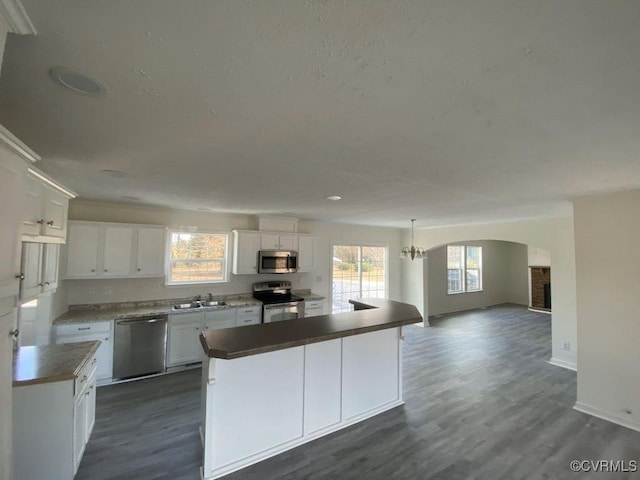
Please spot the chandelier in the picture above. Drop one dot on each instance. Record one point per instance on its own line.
(412, 252)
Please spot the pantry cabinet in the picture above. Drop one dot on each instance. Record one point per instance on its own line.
(113, 250)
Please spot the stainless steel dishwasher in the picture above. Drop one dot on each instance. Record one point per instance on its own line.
(139, 346)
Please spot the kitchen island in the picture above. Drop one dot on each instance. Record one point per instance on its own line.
(268, 388)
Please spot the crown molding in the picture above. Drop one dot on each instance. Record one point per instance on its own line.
(16, 17)
(15, 145)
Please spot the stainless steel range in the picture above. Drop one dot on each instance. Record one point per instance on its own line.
(278, 302)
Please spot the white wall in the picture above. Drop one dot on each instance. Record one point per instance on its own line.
(608, 288)
(539, 257)
(554, 235)
(504, 278)
(95, 291)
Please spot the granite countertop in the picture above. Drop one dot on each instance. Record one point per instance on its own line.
(376, 314)
(51, 363)
(116, 311)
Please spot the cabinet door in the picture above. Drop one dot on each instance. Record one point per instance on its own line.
(11, 214)
(245, 253)
(306, 260)
(33, 203)
(51, 253)
(150, 252)
(269, 241)
(82, 254)
(288, 242)
(90, 409)
(184, 345)
(118, 242)
(32, 270)
(79, 428)
(220, 319)
(55, 213)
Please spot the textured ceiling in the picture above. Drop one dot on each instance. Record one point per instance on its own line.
(446, 111)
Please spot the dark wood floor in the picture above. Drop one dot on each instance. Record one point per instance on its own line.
(481, 403)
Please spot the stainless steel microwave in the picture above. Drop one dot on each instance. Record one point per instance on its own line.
(277, 261)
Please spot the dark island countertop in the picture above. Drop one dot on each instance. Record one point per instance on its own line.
(370, 315)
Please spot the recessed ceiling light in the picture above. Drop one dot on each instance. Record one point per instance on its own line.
(127, 197)
(77, 82)
(334, 198)
(114, 173)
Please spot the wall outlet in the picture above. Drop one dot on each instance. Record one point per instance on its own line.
(566, 346)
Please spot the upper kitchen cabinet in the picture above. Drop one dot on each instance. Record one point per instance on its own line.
(306, 253)
(45, 213)
(245, 252)
(115, 250)
(39, 272)
(278, 241)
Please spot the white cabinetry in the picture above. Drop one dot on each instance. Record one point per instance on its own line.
(217, 319)
(245, 252)
(306, 253)
(85, 332)
(184, 342)
(39, 269)
(313, 308)
(118, 244)
(112, 250)
(250, 315)
(45, 214)
(278, 241)
(52, 423)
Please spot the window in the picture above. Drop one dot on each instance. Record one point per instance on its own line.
(358, 272)
(197, 258)
(464, 269)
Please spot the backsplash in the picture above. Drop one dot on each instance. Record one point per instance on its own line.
(145, 289)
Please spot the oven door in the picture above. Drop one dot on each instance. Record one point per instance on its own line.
(279, 312)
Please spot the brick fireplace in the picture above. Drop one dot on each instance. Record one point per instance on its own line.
(540, 288)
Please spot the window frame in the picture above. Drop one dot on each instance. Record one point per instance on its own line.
(226, 267)
(464, 269)
(360, 246)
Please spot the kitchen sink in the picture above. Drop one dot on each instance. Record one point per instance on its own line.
(198, 304)
(186, 306)
(213, 303)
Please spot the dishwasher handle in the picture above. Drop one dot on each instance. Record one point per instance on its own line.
(140, 320)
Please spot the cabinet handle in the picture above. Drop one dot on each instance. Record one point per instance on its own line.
(84, 379)
(40, 222)
(93, 270)
(106, 270)
(249, 320)
(20, 276)
(47, 283)
(139, 269)
(41, 284)
(84, 328)
(14, 333)
(50, 223)
(95, 360)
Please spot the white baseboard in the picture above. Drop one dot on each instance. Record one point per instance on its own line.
(563, 363)
(609, 417)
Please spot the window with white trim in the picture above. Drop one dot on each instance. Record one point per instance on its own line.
(464, 269)
(197, 258)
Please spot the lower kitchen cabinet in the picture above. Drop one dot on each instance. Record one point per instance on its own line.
(183, 344)
(249, 315)
(85, 332)
(52, 423)
(313, 308)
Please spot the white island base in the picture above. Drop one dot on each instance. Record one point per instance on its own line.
(258, 406)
